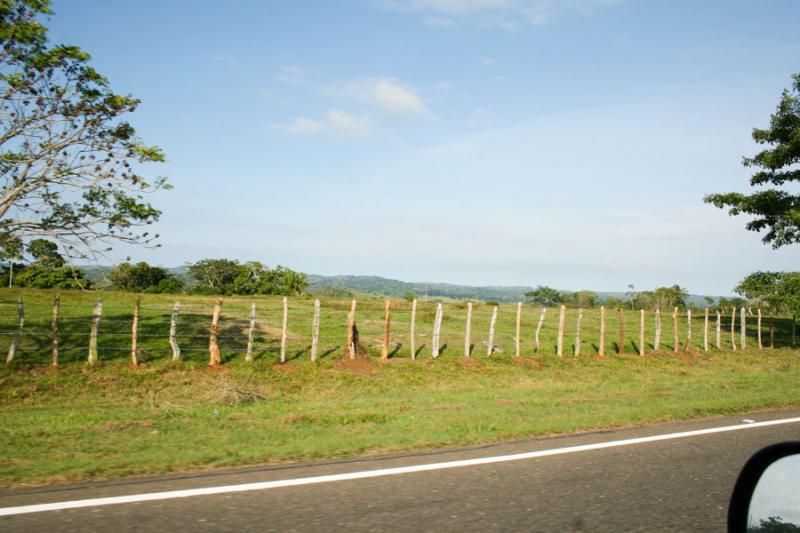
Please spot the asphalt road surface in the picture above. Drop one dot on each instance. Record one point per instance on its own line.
(612, 483)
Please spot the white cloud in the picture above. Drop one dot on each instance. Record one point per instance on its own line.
(509, 15)
(290, 74)
(385, 94)
(336, 122)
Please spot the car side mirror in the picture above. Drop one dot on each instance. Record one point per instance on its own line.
(766, 498)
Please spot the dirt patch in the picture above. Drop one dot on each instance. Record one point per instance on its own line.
(287, 368)
(505, 403)
(451, 407)
(359, 365)
(527, 362)
(470, 362)
(114, 425)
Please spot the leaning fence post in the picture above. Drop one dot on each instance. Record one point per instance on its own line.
(437, 326)
(284, 328)
(135, 332)
(213, 347)
(15, 342)
(539, 326)
(602, 345)
(577, 350)
(351, 323)
(54, 328)
(733, 328)
(386, 328)
(719, 330)
(657, 340)
(675, 341)
(96, 314)
(705, 332)
(519, 323)
(248, 355)
(641, 332)
(490, 349)
(621, 330)
(468, 331)
(413, 333)
(315, 332)
(173, 332)
(760, 346)
(743, 332)
(562, 311)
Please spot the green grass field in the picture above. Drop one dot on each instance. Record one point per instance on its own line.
(78, 423)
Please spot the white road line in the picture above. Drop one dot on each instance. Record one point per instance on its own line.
(264, 485)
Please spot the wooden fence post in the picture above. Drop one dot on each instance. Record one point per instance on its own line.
(135, 332)
(54, 328)
(284, 328)
(12, 351)
(657, 340)
(601, 351)
(351, 323)
(468, 331)
(577, 350)
(490, 349)
(315, 332)
(621, 331)
(248, 355)
(760, 345)
(688, 329)
(213, 347)
(96, 314)
(743, 325)
(386, 328)
(437, 325)
(733, 328)
(560, 341)
(413, 333)
(173, 332)
(539, 326)
(519, 324)
(719, 330)
(675, 341)
(772, 332)
(641, 332)
(705, 331)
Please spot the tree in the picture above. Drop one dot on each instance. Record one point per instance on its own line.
(778, 291)
(582, 298)
(68, 161)
(45, 253)
(776, 210)
(214, 275)
(142, 277)
(226, 276)
(543, 295)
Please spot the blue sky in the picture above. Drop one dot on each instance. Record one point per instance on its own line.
(491, 142)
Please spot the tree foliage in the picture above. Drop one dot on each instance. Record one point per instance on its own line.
(543, 295)
(142, 277)
(776, 209)
(778, 291)
(69, 163)
(226, 276)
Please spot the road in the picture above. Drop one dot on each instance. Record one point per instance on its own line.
(673, 483)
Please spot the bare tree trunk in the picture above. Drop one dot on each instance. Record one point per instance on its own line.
(562, 311)
(641, 332)
(315, 332)
(688, 329)
(413, 334)
(490, 349)
(437, 325)
(54, 328)
(621, 331)
(733, 328)
(386, 328)
(173, 332)
(676, 343)
(705, 331)
(519, 324)
(96, 314)
(12, 351)
(468, 331)
(760, 345)
(577, 350)
(539, 327)
(719, 330)
(351, 322)
(248, 355)
(602, 346)
(657, 340)
(213, 347)
(135, 332)
(743, 325)
(284, 328)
